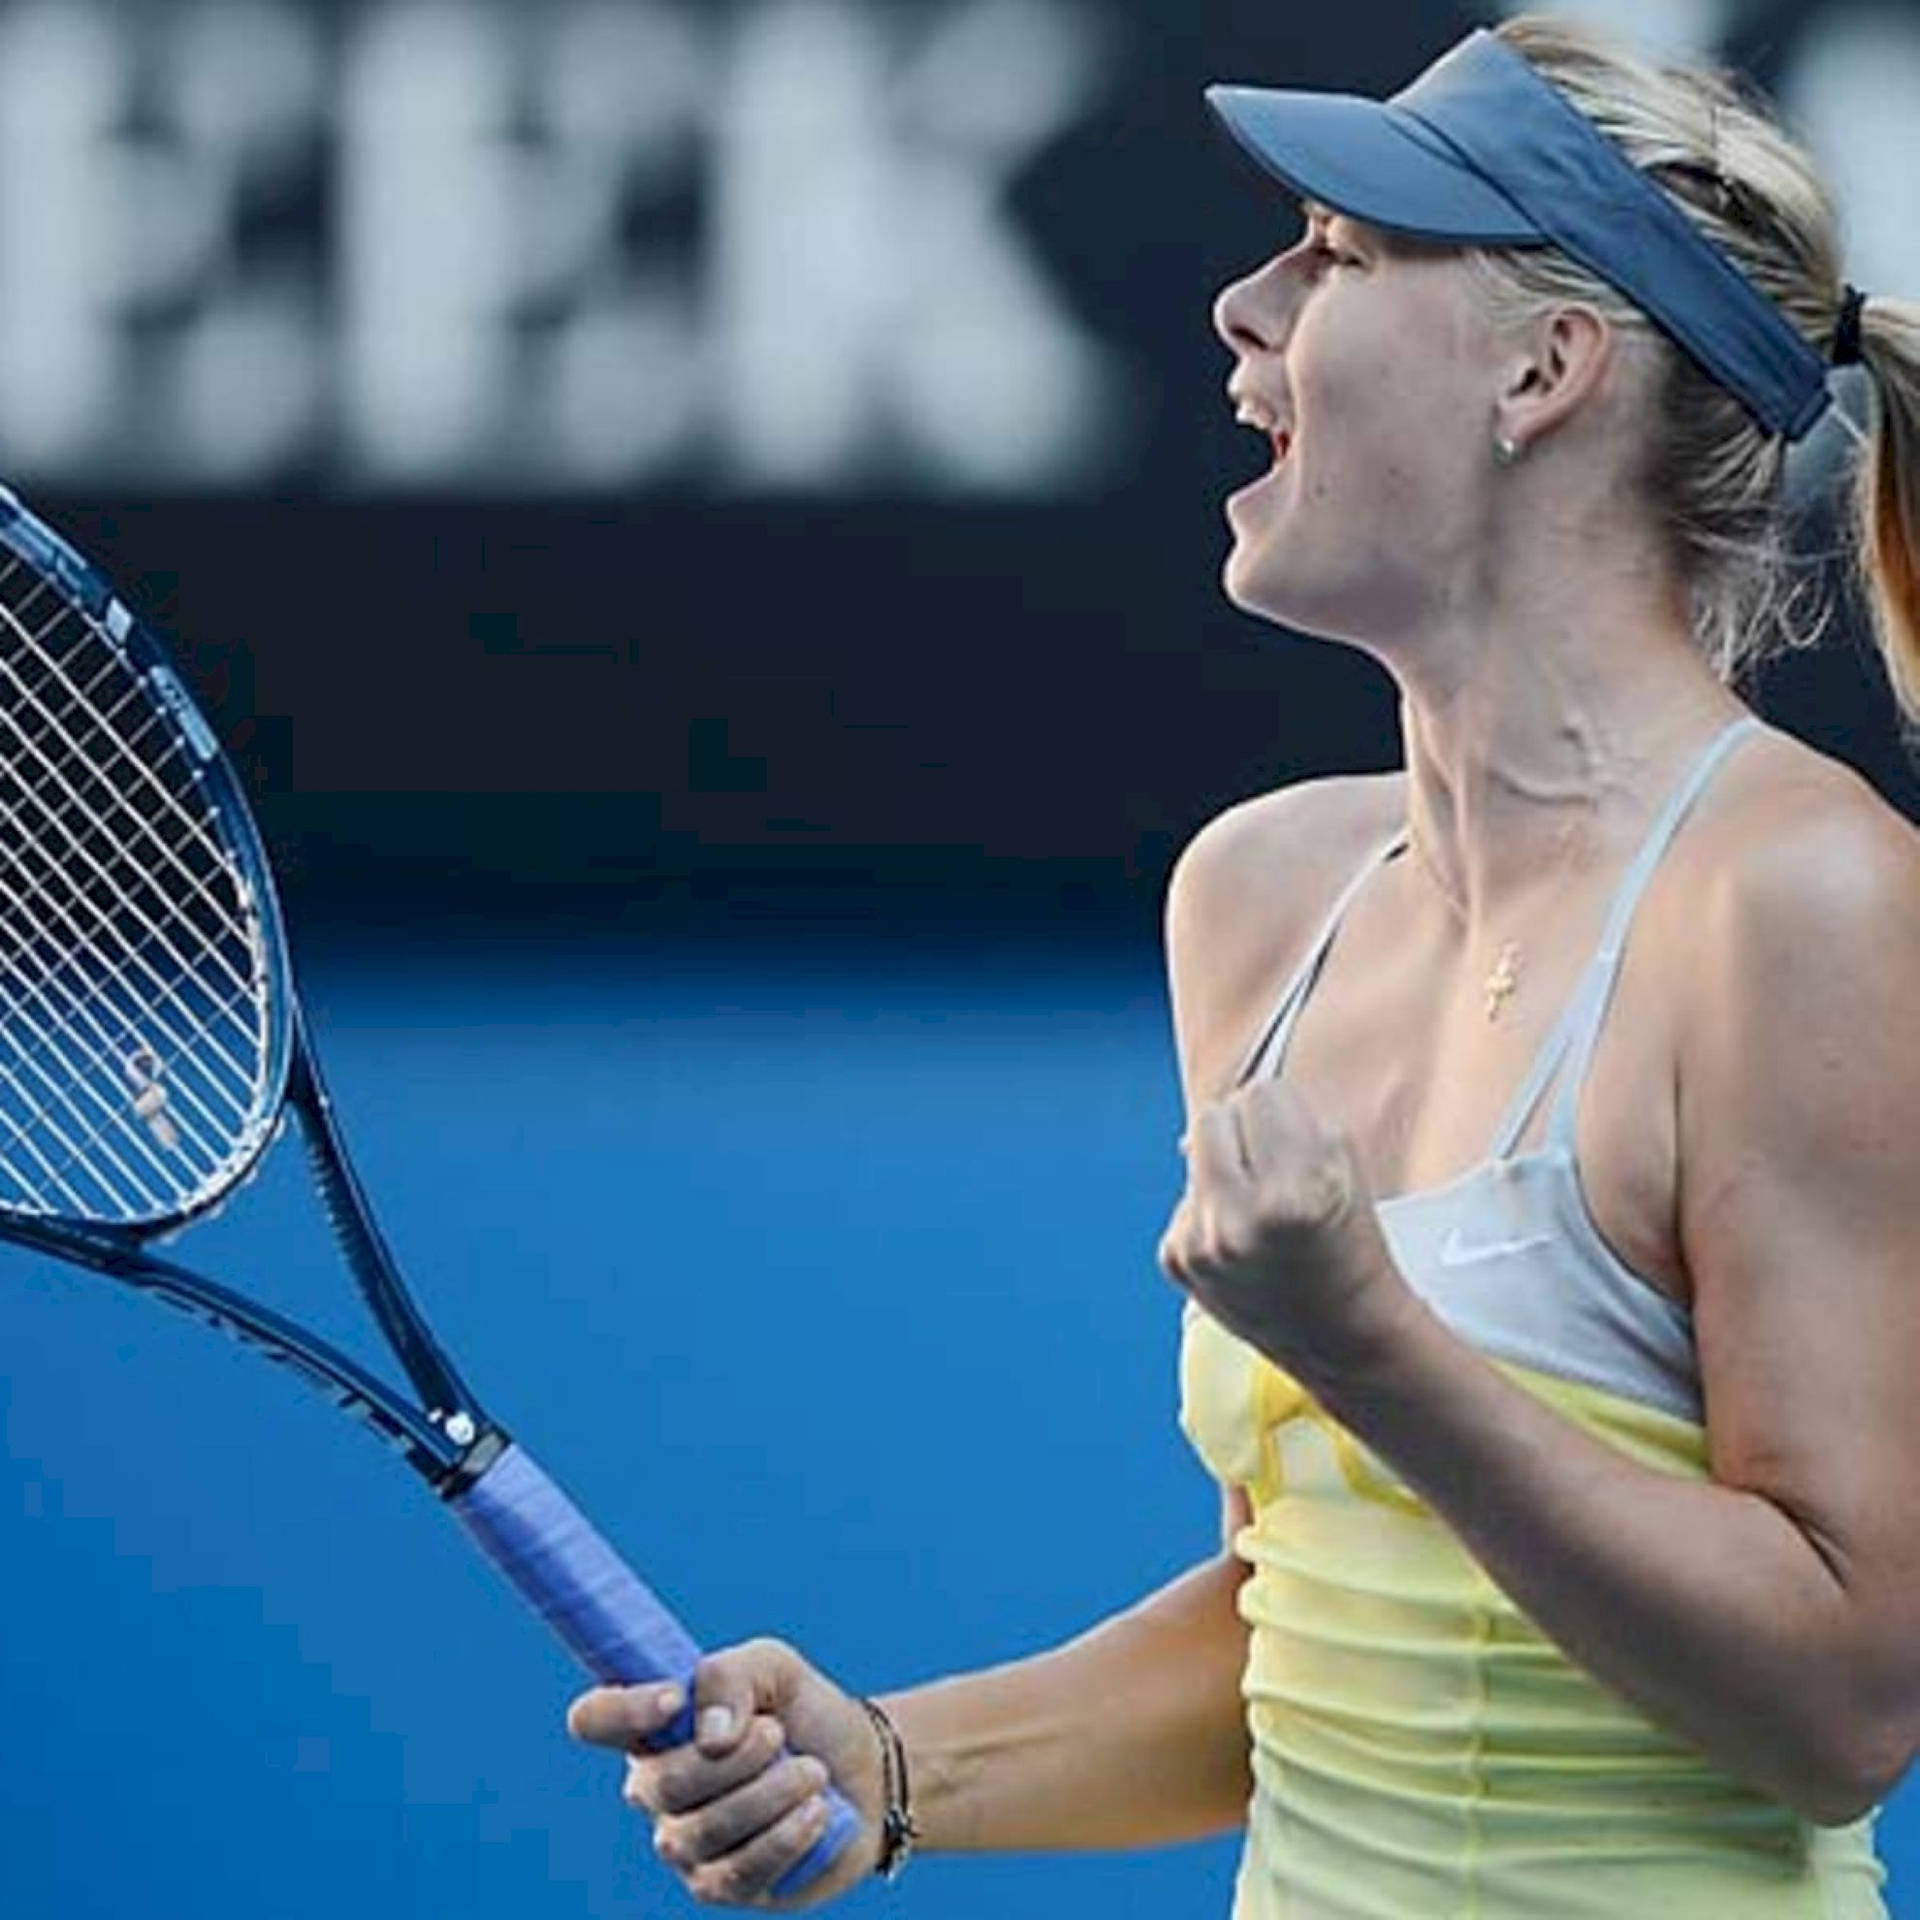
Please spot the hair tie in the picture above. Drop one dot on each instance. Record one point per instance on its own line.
(1846, 332)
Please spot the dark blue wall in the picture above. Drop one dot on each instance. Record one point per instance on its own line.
(733, 932)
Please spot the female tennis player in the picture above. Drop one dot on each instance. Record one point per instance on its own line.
(1551, 1228)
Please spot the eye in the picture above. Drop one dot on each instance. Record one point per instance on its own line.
(1324, 251)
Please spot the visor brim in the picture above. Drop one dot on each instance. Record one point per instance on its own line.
(1368, 159)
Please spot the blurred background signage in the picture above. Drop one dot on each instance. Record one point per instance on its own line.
(588, 245)
(594, 245)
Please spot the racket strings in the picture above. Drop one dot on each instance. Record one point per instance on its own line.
(87, 844)
(64, 1056)
(133, 980)
(57, 984)
(61, 999)
(80, 892)
(108, 755)
(84, 850)
(60, 1077)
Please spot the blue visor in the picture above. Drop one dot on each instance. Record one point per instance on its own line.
(1482, 149)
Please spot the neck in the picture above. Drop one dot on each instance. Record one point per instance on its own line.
(1531, 757)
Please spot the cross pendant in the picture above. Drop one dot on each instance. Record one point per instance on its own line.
(1502, 981)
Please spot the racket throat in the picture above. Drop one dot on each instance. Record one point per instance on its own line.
(478, 1454)
(367, 1256)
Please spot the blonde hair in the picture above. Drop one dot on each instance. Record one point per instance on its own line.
(1712, 475)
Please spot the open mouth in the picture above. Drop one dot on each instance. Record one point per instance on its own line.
(1254, 412)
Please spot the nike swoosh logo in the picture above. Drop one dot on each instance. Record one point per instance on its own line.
(1456, 1251)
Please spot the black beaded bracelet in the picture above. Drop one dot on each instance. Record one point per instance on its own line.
(897, 1830)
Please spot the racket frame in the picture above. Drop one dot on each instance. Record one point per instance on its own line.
(447, 1439)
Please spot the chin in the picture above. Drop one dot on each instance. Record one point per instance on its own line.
(1241, 580)
(1317, 616)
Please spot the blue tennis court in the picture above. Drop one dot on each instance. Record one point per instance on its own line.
(833, 1300)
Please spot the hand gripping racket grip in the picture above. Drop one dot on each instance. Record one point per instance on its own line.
(614, 1624)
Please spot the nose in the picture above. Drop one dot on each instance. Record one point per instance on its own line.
(1255, 313)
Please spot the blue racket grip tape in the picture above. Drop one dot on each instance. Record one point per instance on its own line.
(609, 1618)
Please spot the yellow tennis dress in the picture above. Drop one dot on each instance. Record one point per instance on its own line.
(1422, 1751)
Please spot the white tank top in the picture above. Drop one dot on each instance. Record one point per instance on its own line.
(1508, 1254)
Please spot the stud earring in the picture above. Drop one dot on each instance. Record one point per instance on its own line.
(1505, 450)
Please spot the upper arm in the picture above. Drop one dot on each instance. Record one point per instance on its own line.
(1799, 1206)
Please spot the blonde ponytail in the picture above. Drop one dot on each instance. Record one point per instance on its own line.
(1889, 494)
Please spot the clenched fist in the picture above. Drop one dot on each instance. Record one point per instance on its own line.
(1276, 1235)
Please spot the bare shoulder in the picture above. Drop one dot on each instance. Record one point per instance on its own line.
(1804, 852)
(1801, 902)
(1246, 895)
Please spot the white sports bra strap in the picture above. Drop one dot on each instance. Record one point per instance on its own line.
(1590, 1001)
(1271, 1046)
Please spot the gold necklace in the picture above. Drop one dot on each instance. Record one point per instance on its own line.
(1503, 977)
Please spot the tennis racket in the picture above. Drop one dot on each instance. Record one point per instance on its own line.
(151, 1044)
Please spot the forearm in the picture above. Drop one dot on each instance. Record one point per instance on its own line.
(1131, 1735)
(1706, 1606)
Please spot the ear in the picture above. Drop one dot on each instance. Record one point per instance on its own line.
(1563, 358)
